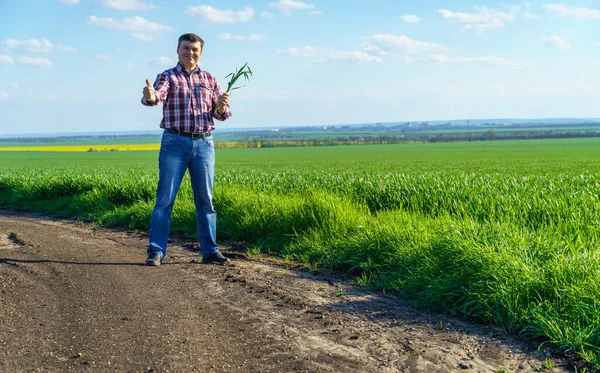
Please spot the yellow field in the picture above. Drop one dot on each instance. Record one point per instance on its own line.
(82, 148)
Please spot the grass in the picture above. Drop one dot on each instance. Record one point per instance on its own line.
(500, 232)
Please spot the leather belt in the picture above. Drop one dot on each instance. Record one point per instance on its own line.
(197, 135)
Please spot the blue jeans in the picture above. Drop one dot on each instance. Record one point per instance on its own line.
(178, 154)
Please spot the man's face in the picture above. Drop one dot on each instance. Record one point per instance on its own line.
(189, 53)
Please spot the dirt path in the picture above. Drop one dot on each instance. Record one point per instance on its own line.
(76, 298)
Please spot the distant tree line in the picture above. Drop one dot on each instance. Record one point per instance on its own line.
(490, 135)
(266, 139)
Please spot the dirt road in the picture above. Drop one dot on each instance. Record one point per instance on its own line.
(77, 298)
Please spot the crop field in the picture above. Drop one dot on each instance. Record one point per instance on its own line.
(504, 232)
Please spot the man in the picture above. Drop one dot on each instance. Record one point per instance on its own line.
(191, 98)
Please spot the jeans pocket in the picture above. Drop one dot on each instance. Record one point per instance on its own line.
(209, 141)
(168, 138)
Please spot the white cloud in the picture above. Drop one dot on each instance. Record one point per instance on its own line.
(329, 55)
(208, 15)
(286, 6)
(162, 61)
(127, 4)
(315, 13)
(527, 13)
(350, 56)
(306, 51)
(64, 48)
(267, 15)
(34, 62)
(577, 13)
(104, 57)
(530, 15)
(556, 42)
(138, 27)
(251, 37)
(14, 85)
(6, 60)
(4, 96)
(70, 2)
(29, 45)
(136, 65)
(409, 18)
(485, 60)
(485, 19)
(384, 44)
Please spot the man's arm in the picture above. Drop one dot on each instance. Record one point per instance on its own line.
(157, 93)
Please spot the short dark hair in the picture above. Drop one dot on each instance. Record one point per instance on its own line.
(192, 38)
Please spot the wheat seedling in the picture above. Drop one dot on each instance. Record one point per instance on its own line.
(244, 71)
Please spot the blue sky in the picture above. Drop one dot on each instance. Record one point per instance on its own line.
(80, 65)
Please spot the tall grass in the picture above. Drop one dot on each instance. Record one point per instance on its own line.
(509, 242)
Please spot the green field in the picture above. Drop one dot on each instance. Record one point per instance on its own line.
(504, 232)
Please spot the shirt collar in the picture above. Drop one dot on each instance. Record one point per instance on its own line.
(181, 69)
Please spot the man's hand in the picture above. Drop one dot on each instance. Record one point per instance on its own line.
(149, 93)
(223, 102)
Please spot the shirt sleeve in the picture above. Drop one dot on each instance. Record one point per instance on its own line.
(161, 88)
(215, 114)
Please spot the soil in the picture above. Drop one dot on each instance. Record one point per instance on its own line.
(76, 297)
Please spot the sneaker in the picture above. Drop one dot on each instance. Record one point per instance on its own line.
(216, 258)
(153, 260)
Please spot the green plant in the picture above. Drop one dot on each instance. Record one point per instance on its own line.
(253, 251)
(244, 71)
(546, 366)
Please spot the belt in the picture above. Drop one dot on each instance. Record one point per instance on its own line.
(197, 135)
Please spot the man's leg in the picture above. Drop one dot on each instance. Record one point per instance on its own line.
(173, 161)
(202, 172)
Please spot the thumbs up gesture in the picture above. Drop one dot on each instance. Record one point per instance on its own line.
(149, 93)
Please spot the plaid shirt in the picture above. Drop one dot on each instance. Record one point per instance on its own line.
(189, 100)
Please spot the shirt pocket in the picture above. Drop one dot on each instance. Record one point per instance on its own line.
(205, 96)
